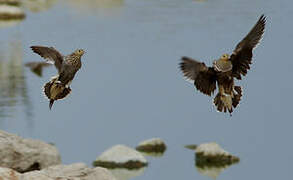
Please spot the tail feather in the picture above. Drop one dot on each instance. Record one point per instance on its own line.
(226, 102)
(55, 91)
(51, 103)
(237, 96)
(223, 103)
(47, 88)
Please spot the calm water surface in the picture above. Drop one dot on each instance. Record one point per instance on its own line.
(130, 88)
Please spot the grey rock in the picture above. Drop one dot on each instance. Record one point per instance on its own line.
(211, 154)
(121, 156)
(9, 174)
(152, 147)
(25, 155)
(78, 171)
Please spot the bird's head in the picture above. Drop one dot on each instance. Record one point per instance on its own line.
(225, 57)
(79, 52)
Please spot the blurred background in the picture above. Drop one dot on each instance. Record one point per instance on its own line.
(130, 87)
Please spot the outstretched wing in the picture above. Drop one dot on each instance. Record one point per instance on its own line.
(50, 54)
(242, 56)
(204, 77)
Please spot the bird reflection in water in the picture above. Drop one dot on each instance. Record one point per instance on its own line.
(37, 67)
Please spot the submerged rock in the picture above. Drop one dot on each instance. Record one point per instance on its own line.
(213, 154)
(121, 156)
(191, 146)
(152, 147)
(211, 159)
(8, 12)
(78, 171)
(25, 155)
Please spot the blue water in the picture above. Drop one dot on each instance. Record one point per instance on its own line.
(130, 88)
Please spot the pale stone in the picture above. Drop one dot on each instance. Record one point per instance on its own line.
(211, 149)
(152, 147)
(78, 171)
(152, 142)
(119, 155)
(9, 174)
(26, 154)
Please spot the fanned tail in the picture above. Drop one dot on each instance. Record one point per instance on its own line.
(223, 102)
(226, 102)
(55, 91)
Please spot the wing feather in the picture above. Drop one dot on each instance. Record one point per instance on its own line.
(241, 58)
(50, 54)
(204, 77)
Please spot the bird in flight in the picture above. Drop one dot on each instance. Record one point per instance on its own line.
(224, 70)
(59, 86)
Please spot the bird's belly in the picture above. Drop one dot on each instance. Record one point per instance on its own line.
(55, 90)
(225, 84)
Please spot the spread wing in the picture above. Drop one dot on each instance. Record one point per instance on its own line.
(50, 54)
(242, 56)
(204, 77)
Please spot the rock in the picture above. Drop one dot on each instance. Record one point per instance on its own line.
(191, 146)
(121, 156)
(25, 155)
(153, 147)
(8, 12)
(78, 171)
(211, 154)
(9, 174)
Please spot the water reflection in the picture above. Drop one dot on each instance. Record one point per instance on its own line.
(13, 88)
(38, 5)
(212, 170)
(10, 15)
(125, 174)
(37, 67)
(93, 6)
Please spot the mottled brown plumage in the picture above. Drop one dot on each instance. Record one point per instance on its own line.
(67, 66)
(224, 70)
